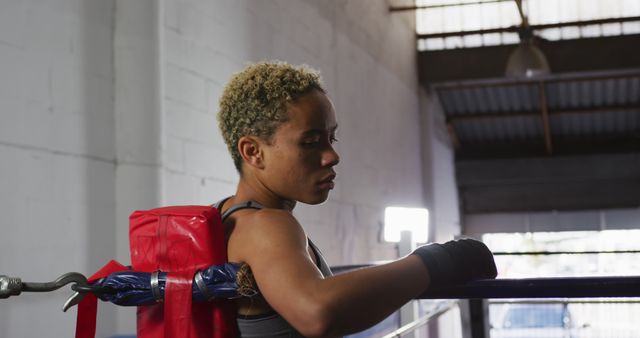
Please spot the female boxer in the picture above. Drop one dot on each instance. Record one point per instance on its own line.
(280, 125)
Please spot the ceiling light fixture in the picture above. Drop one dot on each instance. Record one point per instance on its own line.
(527, 60)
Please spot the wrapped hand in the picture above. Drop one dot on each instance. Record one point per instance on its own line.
(457, 262)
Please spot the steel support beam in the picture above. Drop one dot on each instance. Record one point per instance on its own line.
(545, 118)
(515, 29)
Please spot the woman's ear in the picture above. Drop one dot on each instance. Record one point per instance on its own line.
(251, 151)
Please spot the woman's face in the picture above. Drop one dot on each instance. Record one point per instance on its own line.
(300, 159)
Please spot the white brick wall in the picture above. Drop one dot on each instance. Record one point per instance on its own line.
(441, 190)
(367, 58)
(109, 106)
(57, 154)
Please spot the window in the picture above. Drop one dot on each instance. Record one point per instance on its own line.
(442, 16)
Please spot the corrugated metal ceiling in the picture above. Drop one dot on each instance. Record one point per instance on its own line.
(494, 117)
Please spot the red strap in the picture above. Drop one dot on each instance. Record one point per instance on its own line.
(88, 307)
(177, 305)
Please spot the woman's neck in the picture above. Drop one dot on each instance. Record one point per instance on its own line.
(253, 190)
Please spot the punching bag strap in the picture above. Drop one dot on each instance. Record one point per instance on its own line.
(88, 307)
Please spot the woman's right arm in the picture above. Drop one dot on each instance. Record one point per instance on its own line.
(275, 247)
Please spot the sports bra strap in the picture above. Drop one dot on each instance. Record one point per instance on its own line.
(255, 205)
(219, 204)
(234, 208)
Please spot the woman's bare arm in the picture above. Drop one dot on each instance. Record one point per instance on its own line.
(274, 245)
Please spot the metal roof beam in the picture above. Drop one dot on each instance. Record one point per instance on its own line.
(515, 29)
(415, 8)
(445, 86)
(453, 136)
(544, 112)
(610, 109)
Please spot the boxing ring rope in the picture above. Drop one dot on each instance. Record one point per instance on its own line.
(531, 289)
(573, 287)
(440, 308)
(545, 253)
(475, 291)
(556, 287)
(553, 287)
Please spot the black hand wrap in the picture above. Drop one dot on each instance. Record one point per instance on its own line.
(457, 262)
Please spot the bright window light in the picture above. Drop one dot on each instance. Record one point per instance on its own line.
(442, 16)
(398, 219)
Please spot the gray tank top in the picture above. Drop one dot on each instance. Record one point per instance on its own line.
(269, 325)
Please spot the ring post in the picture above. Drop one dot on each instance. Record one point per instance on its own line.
(406, 226)
(409, 311)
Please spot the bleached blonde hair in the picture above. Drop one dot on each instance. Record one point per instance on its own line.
(254, 102)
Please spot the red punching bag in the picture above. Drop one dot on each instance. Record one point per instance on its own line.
(180, 240)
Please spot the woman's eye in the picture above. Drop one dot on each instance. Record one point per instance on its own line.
(311, 142)
(316, 141)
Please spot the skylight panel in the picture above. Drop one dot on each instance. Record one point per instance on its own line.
(452, 16)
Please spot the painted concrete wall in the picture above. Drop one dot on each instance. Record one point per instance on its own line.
(109, 106)
(138, 117)
(57, 154)
(441, 191)
(441, 196)
(367, 59)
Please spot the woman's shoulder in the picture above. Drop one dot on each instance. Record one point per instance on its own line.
(269, 222)
(263, 230)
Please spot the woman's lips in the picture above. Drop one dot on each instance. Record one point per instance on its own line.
(328, 183)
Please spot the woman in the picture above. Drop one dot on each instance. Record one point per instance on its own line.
(280, 126)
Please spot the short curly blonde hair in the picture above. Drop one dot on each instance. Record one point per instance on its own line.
(254, 102)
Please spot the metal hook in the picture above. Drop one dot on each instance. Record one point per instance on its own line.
(80, 291)
(73, 300)
(70, 277)
(10, 286)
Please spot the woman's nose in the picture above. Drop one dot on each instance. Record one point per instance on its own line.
(330, 157)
